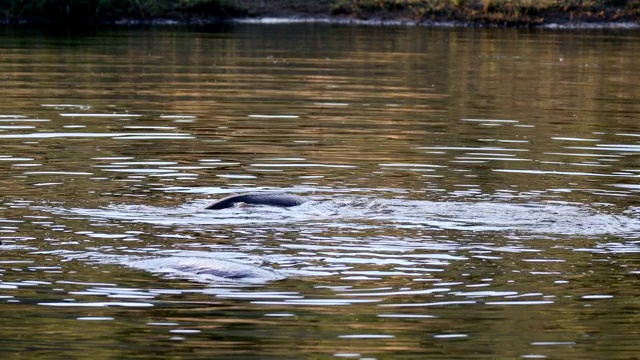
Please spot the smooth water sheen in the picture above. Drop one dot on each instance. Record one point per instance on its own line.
(473, 193)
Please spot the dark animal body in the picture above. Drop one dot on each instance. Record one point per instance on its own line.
(272, 199)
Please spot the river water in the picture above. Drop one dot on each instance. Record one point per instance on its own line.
(473, 193)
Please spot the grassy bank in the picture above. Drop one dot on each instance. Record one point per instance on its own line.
(471, 12)
(497, 12)
(480, 12)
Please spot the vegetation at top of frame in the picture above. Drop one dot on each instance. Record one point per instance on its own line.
(486, 12)
(110, 10)
(503, 12)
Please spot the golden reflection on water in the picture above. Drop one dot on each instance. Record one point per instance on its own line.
(472, 192)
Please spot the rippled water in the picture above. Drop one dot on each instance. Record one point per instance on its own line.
(472, 193)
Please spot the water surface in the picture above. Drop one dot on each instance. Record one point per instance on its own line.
(472, 193)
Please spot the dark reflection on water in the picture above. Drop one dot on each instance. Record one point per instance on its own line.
(472, 193)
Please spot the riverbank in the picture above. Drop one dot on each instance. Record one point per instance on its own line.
(458, 13)
(488, 13)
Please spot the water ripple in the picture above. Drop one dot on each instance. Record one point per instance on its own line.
(542, 218)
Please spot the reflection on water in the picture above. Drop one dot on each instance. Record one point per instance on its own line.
(472, 193)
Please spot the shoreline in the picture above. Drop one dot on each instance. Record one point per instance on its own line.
(331, 20)
(578, 25)
(545, 14)
(552, 14)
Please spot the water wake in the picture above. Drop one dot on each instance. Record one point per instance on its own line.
(536, 218)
